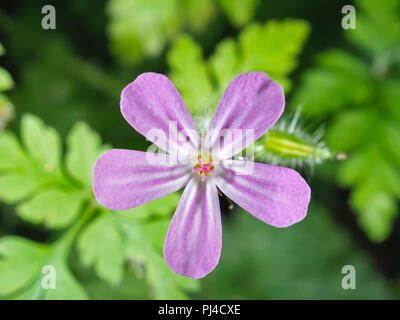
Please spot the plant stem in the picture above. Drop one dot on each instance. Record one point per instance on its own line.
(65, 242)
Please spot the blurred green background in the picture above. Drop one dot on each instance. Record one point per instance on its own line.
(59, 110)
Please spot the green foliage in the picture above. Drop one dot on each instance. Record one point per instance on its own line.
(378, 27)
(189, 72)
(272, 48)
(45, 90)
(141, 28)
(108, 259)
(239, 12)
(56, 193)
(55, 208)
(137, 243)
(361, 98)
(34, 179)
(21, 260)
(314, 250)
(130, 237)
(6, 83)
(42, 143)
(22, 263)
(84, 147)
(341, 78)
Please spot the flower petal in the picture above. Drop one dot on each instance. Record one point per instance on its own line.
(152, 102)
(194, 239)
(124, 179)
(276, 195)
(252, 101)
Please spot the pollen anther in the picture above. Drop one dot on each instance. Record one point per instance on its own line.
(202, 168)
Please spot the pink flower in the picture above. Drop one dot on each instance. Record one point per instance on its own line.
(123, 179)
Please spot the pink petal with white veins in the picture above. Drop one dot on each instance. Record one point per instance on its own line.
(194, 239)
(252, 101)
(152, 102)
(124, 179)
(276, 195)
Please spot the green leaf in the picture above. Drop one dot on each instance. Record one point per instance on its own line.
(37, 178)
(375, 183)
(108, 259)
(358, 96)
(358, 122)
(138, 242)
(11, 154)
(156, 231)
(238, 11)
(272, 48)
(22, 272)
(84, 148)
(161, 20)
(159, 208)
(368, 200)
(163, 206)
(14, 186)
(164, 284)
(6, 81)
(37, 167)
(197, 14)
(378, 25)
(20, 261)
(42, 142)
(195, 86)
(131, 287)
(224, 62)
(390, 89)
(391, 141)
(353, 169)
(7, 112)
(339, 80)
(162, 281)
(303, 261)
(55, 208)
(68, 287)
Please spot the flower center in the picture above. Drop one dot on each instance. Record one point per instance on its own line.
(203, 167)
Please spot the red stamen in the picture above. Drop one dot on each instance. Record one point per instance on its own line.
(204, 169)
